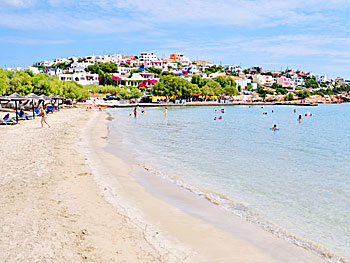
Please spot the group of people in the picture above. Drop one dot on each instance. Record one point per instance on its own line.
(220, 117)
(300, 119)
(143, 111)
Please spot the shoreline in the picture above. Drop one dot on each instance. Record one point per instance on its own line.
(194, 104)
(286, 252)
(65, 198)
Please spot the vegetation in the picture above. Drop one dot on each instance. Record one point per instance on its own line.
(174, 86)
(311, 83)
(213, 69)
(104, 67)
(289, 96)
(303, 94)
(26, 82)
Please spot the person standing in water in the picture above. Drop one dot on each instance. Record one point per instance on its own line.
(143, 111)
(43, 117)
(166, 112)
(135, 113)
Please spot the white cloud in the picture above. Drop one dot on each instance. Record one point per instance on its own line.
(18, 3)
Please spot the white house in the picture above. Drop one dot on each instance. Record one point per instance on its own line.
(184, 61)
(159, 64)
(233, 68)
(51, 71)
(60, 60)
(82, 78)
(124, 71)
(321, 78)
(148, 56)
(243, 83)
(285, 82)
(299, 81)
(265, 80)
(44, 63)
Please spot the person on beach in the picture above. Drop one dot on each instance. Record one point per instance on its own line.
(300, 119)
(135, 113)
(43, 117)
(166, 112)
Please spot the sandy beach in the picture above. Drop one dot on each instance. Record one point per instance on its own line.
(64, 198)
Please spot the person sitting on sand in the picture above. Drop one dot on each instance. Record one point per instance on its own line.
(21, 113)
(43, 117)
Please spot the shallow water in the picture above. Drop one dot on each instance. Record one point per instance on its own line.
(297, 177)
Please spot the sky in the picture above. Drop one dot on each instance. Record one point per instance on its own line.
(309, 35)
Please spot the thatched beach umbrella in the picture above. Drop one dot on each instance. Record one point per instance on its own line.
(4, 98)
(16, 97)
(33, 97)
(58, 97)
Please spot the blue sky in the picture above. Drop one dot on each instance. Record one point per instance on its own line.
(312, 35)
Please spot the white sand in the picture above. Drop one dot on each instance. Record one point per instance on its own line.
(52, 210)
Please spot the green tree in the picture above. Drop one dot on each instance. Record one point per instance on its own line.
(289, 96)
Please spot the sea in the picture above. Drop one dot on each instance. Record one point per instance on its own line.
(294, 182)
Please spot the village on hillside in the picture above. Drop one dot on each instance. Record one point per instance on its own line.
(148, 78)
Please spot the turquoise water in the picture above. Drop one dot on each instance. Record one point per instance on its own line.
(297, 177)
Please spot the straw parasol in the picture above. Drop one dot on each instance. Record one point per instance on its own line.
(16, 97)
(57, 98)
(33, 97)
(44, 97)
(4, 98)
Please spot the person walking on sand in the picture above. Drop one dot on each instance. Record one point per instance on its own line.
(43, 117)
(166, 112)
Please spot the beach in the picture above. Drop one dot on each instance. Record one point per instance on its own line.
(64, 198)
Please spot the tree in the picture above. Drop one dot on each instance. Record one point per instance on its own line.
(230, 91)
(198, 80)
(289, 96)
(263, 95)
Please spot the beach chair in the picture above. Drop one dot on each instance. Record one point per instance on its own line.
(6, 120)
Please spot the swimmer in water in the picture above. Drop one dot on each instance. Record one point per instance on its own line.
(143, 111)
(274, 127)
(220, 118)
(295, 110)
(215, 111)
(300, 119)
(214, 118)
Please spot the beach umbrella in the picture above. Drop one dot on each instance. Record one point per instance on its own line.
(33, 97)
(16, 97)
(4, 98)
(58, 97)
